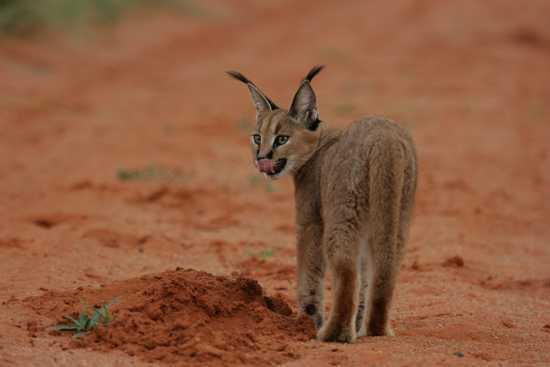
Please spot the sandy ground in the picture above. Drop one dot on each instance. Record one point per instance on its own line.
(125, 155)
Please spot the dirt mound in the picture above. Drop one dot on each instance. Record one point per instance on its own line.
(186, 317)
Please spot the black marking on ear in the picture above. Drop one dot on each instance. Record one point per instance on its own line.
(240, 77)
(313, 72)
(304, 104)
(314, 125)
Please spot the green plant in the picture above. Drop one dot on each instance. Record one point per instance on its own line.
(245, 124)
(150, 173)
(85, 322)
(23, 17)
(256, 180)
(344, 109)
(262, 255)
(266, 254)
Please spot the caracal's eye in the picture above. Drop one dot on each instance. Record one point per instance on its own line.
(280, 140)
(257, 139)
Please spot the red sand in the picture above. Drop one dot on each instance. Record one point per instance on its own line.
(185, 317)
(125, 155)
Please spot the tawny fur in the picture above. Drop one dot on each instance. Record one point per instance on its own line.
(354, 192)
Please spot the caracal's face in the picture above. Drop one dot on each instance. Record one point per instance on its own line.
(280, 144)
(284, 140)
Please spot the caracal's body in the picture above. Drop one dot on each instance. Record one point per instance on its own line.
(354, 192)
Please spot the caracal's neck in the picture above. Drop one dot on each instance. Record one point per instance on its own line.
(309, 174)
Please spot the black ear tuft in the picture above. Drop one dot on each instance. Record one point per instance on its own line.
(245, 80)
(304, 104)
(313, 72)
(238, 76)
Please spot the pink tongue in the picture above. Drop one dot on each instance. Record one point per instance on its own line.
(265, 165)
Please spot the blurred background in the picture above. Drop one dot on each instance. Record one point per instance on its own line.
(124, 146)
(92, 87)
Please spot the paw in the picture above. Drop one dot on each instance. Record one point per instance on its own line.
(362, 331)
(318, 320)
(360, 326)
(313, 313)
(336, 333)
(386, 331)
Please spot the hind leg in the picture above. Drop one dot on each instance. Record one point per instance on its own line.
(341, 250)
(383, 261)
(391, 198)
(382, 272)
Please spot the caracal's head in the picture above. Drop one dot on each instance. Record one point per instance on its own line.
(284, 139)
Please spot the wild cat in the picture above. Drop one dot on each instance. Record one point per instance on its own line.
(354, 193)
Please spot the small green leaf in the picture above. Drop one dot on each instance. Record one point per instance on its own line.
(70, 319)
(85, 323)
(266, 254)
(105, 316)
(94, 321)
(270, 187)
(64, 327)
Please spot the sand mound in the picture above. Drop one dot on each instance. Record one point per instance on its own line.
(186, 317)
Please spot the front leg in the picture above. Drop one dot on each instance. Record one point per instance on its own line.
(342, 253)
(311, 271)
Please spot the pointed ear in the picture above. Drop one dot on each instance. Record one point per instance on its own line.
(261, 101)
(304, 104)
